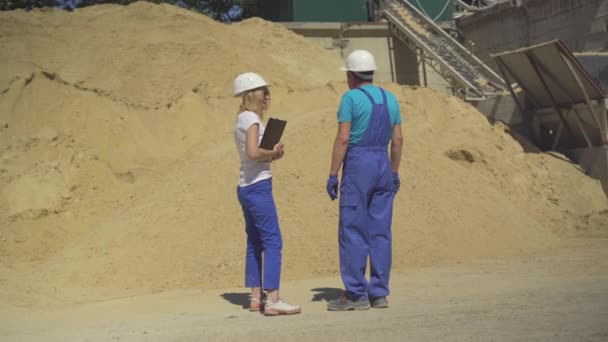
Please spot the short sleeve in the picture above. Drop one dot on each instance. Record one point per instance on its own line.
(345, 111)
(246, 119)
(394, 109)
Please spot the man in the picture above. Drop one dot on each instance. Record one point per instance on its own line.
(368, 119)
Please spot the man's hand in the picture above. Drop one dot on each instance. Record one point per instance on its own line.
(396, 181)
(332, 187)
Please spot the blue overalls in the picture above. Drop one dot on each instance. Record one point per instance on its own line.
(366, 208)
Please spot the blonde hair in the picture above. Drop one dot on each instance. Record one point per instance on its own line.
(252, 104)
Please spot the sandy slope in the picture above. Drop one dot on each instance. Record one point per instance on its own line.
(118, 170)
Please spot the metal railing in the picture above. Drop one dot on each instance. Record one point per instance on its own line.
(470, 78)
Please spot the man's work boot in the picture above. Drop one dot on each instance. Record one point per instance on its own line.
(379, 303)
(345, 304)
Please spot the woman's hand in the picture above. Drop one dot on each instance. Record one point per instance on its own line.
(279, 150)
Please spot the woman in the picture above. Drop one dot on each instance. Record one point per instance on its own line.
(255, 195)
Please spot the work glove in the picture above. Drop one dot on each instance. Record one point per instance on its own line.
(332, 187)
(396, 181)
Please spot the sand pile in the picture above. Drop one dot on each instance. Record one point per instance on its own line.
(118, 170)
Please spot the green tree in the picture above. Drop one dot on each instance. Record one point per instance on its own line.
(85, 3)
(213, 8)
(217, 9)
(8, 5)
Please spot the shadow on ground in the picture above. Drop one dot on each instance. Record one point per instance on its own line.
(236, 298)
(326, 294)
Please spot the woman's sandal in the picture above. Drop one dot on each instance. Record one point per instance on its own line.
(255, 304)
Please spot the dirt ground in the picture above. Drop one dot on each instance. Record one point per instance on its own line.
(557, 296)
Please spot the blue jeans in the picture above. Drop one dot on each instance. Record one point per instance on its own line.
(263, 235)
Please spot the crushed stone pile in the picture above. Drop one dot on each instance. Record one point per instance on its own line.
(118, 170)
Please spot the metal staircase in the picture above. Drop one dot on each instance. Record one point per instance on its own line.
(469, 77)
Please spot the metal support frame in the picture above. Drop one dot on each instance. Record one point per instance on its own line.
(421, 62)
(587, 100)
(521, 84)
(577, 118)
(460, 85)
(605, 116)
(558, 135)
(534, 61)
(391, 61)
(565, 111)
(563, 89)
(424, 52)
(520, 105)
(579, 124)
(460, 3)
(475, 6)
(461, 50)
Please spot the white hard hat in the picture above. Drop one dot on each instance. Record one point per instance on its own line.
(359, 61)
(247, 81)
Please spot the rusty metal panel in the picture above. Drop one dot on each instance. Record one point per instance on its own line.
(565, 106)
(547, 62)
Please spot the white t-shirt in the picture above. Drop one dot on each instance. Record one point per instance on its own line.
(251, 171)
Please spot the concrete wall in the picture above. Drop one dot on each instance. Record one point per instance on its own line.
(396, 62)
(596, 65)
(502, 108)
(374, 37)
(514, 24)
(405, 64)
(597, 39)
(434, 80)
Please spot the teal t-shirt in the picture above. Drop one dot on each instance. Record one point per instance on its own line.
(356, 108)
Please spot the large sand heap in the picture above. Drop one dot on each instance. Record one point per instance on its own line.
(118, 170)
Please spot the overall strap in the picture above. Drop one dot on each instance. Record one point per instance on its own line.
(368, 95)
(383, 96)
